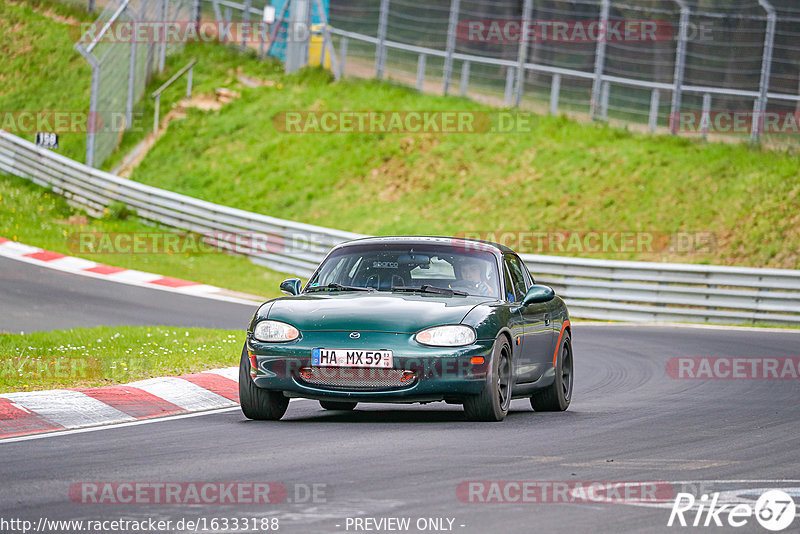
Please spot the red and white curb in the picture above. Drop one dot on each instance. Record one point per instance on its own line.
(36, 412)
(70, 264)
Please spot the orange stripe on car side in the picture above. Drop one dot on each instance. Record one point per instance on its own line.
(564, 325)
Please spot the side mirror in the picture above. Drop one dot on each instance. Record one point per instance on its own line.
(538, 293)
(291, 286)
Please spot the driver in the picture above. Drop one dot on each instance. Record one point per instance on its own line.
(474, 272)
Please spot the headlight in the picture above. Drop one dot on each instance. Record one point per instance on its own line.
(274, 331)
(453, 335)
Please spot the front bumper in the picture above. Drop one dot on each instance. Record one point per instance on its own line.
(419, 374)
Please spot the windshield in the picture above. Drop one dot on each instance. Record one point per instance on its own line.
(397, 267)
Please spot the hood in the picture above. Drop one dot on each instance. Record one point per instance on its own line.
(378, 312)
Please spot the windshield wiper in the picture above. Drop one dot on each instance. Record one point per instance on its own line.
(339, 287)
(427, 288)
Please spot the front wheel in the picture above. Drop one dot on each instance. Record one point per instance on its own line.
(257, 403)
(337, 405)
(557, 396)
(492, 403)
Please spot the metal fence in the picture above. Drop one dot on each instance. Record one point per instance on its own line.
(704, 55)
(122, 66)
(598, 289)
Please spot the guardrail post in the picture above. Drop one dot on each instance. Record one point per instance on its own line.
(509, 87)
(455, 7)
(464, 78)
(380, 48)
(246, 23)
(760, 105)
(599, 59)
(522, 53)
(680, 67)
(342, 55)
(653, 119)
(555, 89)
(421, 72)
(705, 117)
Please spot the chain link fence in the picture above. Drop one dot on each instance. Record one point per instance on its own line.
(723, 64)
(123, 61)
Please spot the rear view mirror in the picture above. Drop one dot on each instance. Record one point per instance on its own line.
(291, 286)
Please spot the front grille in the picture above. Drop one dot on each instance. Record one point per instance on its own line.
(356, 378)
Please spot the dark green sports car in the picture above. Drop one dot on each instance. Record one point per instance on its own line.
(411, 319)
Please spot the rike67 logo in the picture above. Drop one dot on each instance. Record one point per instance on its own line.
(774, 510)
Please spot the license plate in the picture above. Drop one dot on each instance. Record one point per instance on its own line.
(351, 358)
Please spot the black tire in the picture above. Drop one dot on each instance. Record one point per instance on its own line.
(338, 405)
(257, 403)
(492, 403)
(557, 396)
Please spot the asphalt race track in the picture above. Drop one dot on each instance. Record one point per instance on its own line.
(629, 421)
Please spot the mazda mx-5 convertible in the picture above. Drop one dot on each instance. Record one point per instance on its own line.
(406, 320)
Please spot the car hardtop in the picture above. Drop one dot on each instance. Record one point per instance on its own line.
(425, 240)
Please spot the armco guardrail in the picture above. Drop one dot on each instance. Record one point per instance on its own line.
(285, 246)
(595, 289)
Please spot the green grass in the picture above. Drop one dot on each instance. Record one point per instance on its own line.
(559, 176)
(32, 215)
(102, 356)
(40, 70)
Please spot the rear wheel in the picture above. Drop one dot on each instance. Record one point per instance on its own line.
(557, 396)
(337, 405)
(492, 403)
(257, 403)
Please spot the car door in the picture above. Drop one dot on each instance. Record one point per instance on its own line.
(537, 331)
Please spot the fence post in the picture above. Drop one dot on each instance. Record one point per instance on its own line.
(680, 67)
(197, 12)
(421, 72)
(464, 78)
(162, 56)
(380, 49)
(509, 87)
(653, 122)
(455, 7)
(227, 24)
(246, 23)
(131, 85)
(91, 6)
(705, 117)
(555, 88)
(599, 59)
(522, 54)
(342, 55)
(91, 124)
(604, 93)
(760, 105)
